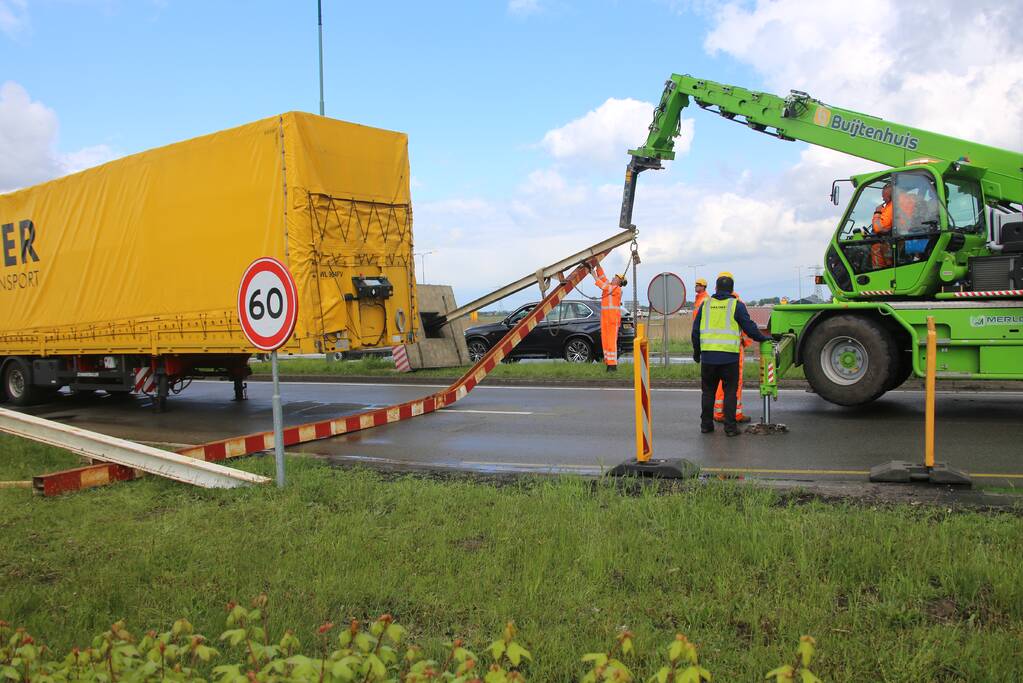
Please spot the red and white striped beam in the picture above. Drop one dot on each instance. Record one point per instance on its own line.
(991, 293)
(324, 429)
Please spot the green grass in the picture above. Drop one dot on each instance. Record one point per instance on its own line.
(890, 593)
(376, 367)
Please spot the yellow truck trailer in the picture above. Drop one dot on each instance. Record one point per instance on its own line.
(124, 277)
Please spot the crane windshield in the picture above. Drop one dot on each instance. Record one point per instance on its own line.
(965, 208)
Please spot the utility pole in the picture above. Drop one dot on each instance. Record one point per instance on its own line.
(319, 21)
(799, 280)
(817, 288)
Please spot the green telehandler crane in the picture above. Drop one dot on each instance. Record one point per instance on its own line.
(952, 250)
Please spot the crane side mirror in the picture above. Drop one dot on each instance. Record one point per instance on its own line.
(834, 193)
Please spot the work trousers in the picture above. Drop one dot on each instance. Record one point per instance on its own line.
(710, 375)
(610, 321)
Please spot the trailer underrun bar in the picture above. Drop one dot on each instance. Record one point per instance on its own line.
(215, 451)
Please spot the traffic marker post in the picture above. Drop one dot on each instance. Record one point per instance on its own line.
(268, 309)
(902, 472)
(643, 465)
(641, 385)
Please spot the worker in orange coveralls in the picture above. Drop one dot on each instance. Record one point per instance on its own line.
(880, 253)
(719, 397)
(610, 314)
(701, 293)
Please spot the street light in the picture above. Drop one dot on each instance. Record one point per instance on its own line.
(422, 256)
(693, 267)
(319, 25)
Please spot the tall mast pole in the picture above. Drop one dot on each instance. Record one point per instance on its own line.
(319, 18)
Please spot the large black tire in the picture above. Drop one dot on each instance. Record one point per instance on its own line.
(578, 350)
(848, 360)
(477, 349)
(17, 382)
(902, 368)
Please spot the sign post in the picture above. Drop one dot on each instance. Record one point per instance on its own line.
(268, 309)
(666, 295)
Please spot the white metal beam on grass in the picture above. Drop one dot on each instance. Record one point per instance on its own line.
(151, 460)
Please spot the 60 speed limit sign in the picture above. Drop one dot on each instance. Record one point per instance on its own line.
(267, 304)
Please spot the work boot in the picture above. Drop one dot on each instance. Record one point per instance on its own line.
(706, 429)
(731, 431)
(612, 368)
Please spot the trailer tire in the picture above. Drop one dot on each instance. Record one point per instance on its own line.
(17, 382)
(848, 360)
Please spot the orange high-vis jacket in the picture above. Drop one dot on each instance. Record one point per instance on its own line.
(611, 295)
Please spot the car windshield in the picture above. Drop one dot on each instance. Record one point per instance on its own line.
(520, 314)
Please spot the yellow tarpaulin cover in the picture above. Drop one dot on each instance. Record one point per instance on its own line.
(146, 253)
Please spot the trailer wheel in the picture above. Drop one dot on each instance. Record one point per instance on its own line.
(848, 360)
(18, 382)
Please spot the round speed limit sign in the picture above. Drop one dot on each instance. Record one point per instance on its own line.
(267, 304)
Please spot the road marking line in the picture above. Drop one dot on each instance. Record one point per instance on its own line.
(722, 470)
(485, 412)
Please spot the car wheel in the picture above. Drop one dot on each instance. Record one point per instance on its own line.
(848, 360)
(578, 350)
(477, 349)
(18, 383)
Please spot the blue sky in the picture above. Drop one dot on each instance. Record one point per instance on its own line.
(480, 86)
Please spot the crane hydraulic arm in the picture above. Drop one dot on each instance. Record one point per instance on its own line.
(800, 117)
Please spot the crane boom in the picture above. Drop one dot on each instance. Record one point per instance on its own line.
(801, 117)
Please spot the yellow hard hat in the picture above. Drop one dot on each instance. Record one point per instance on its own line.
(725, 273)
(701, 281)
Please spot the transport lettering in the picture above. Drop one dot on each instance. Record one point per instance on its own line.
(16, 281)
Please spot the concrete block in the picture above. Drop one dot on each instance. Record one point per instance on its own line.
(443, 348)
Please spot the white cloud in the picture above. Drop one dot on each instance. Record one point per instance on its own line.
(28, 140)
(955, 68)
(950, 68)
(13, 16)
(550, 187)
(605, 133)
(523, 7)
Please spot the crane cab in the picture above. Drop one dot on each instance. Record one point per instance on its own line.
(908, 232)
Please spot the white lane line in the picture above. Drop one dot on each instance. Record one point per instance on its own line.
(485, 412)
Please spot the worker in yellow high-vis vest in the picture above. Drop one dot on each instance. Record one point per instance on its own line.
(717, 339)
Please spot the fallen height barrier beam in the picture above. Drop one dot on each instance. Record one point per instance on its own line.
(235, 447)
(324, 429)
(124, 453)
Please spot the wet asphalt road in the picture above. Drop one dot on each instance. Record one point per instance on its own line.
(584, 429)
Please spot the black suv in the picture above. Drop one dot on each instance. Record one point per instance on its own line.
(570, 331)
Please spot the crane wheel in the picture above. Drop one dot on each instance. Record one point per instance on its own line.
(848, 360)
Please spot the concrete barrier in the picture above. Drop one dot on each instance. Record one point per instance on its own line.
(438, 348)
